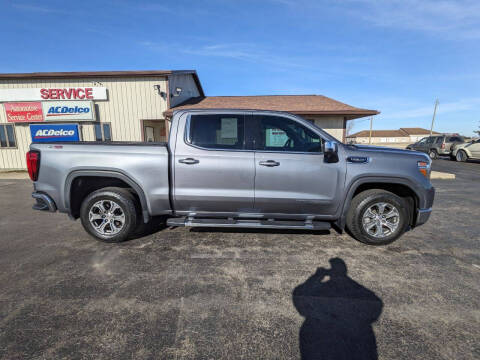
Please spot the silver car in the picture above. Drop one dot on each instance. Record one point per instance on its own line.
(466, 151)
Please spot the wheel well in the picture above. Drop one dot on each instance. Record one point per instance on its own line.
(398, 189)
(84, 185)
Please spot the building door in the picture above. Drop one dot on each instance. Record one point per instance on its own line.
(154, 131)
(213, 170)
(291, 176)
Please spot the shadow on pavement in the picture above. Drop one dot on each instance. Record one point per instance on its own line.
(155, 224)
(338, 313)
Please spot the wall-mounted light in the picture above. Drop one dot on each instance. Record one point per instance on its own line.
(177, 92)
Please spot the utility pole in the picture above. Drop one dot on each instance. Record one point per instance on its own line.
(433, 118)
(370, 137)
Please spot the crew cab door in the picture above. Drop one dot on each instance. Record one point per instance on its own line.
(213, 172)
(291, 175)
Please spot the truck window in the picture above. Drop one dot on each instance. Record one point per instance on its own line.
(282, 134)
(222, 131)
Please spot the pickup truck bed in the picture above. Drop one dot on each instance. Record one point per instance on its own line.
(143, 166)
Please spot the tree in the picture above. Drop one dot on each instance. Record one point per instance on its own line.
(349, 127)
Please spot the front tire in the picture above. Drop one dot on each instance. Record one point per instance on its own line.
(109, 214)
(377, 217)
(461, 156)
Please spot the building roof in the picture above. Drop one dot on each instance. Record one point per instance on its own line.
(101, 74)
(296, 104)
(402, 132)
(417, 131)
(379, 133)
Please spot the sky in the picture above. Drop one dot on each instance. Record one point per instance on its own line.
(394, 56)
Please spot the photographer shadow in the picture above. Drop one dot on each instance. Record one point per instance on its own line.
(339, 313)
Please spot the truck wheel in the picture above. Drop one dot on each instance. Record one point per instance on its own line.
(433, 154)
(109, 214)
(377, 217)
(461, 156)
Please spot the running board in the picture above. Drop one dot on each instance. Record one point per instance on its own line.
(244, 223)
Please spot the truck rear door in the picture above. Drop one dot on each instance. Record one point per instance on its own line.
(213, 170)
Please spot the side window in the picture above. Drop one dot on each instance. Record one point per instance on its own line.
(221, 131)
(430, 140)
(282, 134)
(439, 140)
(102, 132)
(7, 136)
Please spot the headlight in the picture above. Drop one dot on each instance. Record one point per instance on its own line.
(424, 168)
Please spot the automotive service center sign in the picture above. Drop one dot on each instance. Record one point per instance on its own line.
(24, 112)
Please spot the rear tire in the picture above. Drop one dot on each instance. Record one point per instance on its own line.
(433, 154)
(110, 214)
(461, 156)
(377, 217)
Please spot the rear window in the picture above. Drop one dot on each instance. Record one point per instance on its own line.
(222, 131)
(455, 139)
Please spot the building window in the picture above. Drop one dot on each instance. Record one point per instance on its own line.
(7, 136)
(102, 132)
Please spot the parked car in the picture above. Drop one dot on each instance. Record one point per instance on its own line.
(436, 145)
(463, 152)
(235, 168)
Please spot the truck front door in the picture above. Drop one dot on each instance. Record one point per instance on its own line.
(213, 170)
(291, 176)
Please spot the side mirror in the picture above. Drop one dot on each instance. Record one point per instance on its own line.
(330, 152)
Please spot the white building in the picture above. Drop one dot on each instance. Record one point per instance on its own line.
(402, 135)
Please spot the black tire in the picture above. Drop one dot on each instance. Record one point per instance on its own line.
(433, 154)
(362, 202)
(461, 156)
(128, 206)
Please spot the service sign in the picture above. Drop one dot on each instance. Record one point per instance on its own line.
(54, 132)
(68, 110)
(51, 94)
(23, 112)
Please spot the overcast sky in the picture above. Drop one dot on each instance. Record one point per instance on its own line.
(396, 56)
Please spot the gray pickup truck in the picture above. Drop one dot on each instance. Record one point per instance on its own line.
(235, 168)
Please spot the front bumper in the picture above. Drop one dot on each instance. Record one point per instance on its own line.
(44, 202)
(422, 216)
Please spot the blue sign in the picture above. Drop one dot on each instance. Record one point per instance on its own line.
(54, 132)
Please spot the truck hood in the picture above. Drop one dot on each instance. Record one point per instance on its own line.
(381, 149)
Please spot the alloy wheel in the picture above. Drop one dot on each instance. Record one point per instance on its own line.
(107, 217)
(380, 220)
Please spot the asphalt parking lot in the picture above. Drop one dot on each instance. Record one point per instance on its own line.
(197, 294)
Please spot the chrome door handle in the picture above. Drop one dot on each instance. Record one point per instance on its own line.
(189, 161)
(269, 163)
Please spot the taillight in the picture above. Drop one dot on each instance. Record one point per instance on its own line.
(443, 145)
(33, 164)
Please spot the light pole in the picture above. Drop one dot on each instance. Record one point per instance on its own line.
(433, 118)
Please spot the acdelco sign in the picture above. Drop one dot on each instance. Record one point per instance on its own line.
(48, 94)
(68, 110)
(54, 132)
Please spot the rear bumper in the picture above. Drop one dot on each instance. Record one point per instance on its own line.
(43, 202)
